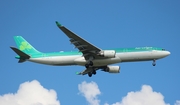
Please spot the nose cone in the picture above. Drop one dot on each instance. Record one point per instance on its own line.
(166, 53)
(160, 54)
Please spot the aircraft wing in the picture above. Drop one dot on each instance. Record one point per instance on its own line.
(84, 46)
(90, 69)
(84, 72)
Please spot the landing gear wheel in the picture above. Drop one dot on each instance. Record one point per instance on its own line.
(90, 74)
(154, 63)
(87, 65)
(94, 72)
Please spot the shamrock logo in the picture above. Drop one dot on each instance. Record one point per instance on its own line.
(25, 45)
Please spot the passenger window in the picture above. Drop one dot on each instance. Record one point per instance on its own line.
(163, 49)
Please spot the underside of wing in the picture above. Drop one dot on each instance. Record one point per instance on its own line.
(92, 70)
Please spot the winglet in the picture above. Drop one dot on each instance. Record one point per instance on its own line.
(58, 24)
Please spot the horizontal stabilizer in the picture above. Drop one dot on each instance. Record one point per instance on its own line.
(78, 73)
(23, 56)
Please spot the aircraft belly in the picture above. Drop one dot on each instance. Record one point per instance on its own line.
(98, 62)
(56, 60)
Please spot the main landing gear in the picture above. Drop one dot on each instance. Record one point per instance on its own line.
(90, 63)
(90, 73)
(154, 62)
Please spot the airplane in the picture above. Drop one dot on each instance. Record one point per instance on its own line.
(90, 56)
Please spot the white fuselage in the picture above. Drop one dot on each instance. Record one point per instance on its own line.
(120, 57)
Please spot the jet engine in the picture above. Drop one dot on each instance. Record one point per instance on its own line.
(112, 69)
(107, 53)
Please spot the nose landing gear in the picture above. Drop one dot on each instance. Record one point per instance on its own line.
(154, 62)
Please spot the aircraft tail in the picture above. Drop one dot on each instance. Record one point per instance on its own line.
(24, 49)
(24, 46)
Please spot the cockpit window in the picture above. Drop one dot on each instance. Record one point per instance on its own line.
(163, 49)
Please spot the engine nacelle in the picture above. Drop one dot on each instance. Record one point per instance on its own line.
(108, 53)
(113, 69)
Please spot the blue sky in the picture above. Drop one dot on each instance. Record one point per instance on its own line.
(105, 24)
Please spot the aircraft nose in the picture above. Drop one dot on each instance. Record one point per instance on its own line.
(167, 53)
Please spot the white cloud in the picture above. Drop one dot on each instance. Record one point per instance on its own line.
(30, 93)
(177, 102)
(106, 104)
(90, 92)
(146, 96)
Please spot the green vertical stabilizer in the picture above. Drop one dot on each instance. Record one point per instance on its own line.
(24, 46)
